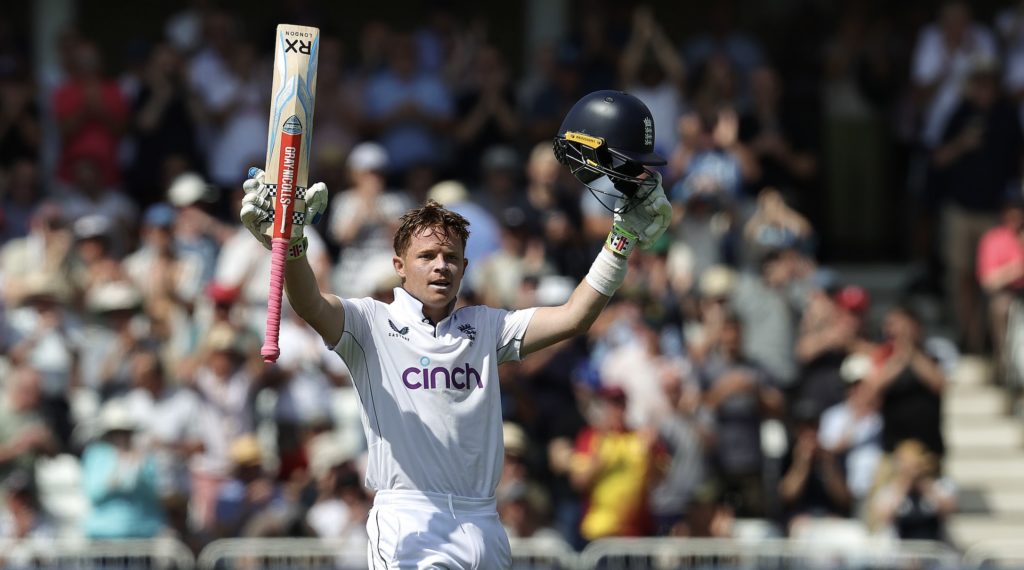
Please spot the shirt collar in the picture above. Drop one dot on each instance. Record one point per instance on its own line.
(406, 303)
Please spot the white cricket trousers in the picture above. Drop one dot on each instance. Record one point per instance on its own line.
(415, 530)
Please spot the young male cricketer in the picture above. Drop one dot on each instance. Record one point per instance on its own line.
(427, 375)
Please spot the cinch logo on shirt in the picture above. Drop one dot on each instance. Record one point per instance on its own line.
(424, 378)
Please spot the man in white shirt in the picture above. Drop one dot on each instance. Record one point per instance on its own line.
(427, 373)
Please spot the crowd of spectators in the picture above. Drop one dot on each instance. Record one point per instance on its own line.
(733, 378)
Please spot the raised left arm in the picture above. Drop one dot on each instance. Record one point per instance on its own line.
(642, 223)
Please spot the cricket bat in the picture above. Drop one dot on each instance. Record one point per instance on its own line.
(287, 167)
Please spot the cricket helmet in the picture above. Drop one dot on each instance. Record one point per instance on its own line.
(609, 134)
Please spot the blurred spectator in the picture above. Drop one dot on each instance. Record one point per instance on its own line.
(227, 392)
(614, 467)
(168, 278)
(651, 69)
(724, 39)
(1000, 271)
(363, 221)
(24, 433)
(852, 430)
(44, 251)
(980, 154)
(251, 503)
(197, 234)
(120, 479)
(710, 159)
(832, 328)
(48, 338)
(636, 367)
(88, 195)
(23, 517)
(915, 503)
(409, 110)
(814, 481)
(683, 433)
(499, 275)
(500, 189)
(119, 331)
(486, 227)
(21, 134)
(342, 504)
(94, 261)
(336, 120)
(943, 56)
(169, 428)
(910, 384)
(558, 87)
(768, 310)
(776, 138)
(165, 114)
(739, 396)
(774, 225)
(487, 111)
(19, 201)
(92, 115)
(558, 209)
(239, 110)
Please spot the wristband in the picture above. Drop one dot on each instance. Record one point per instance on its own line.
(607, 273)
(620, 241)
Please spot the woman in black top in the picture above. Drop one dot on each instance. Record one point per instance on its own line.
(910, 383)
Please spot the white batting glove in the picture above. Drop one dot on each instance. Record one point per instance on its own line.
(643, 222)
(257, 212)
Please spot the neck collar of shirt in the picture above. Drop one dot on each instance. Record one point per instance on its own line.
(414, 307)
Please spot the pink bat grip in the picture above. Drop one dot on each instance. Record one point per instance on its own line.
(278, 255)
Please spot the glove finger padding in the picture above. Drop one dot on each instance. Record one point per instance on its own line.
(648, 219)
(316, 202)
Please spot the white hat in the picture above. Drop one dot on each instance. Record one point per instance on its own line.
(325, 452)
(855, 367)
(448, 192)
(115, 416)
(368, 156)
(187, 189)
(91, 226)
(113, 296)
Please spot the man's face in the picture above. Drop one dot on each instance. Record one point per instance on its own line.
(432, 268)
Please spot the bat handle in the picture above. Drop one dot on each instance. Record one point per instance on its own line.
(278, 255)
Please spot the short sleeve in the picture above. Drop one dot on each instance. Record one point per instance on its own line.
(511, 327)
(357, 333)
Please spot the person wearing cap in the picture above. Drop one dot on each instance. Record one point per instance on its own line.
(342, 503)
(46, 250)
(364, 217)
(120, 480)
(1000, 271)
(499, 277)
(89, 196)
(94, 258)
(978, 158)
(251, 502)
(116, 329)
(852, 429)
(613, 467)
(831, 328)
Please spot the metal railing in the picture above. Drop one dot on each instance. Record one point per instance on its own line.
(768, 554)
(528, 554)
(155, 554)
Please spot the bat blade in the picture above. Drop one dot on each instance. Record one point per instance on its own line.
(287, 165)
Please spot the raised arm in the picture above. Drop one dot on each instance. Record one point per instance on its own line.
(325, 313)
(642, 223)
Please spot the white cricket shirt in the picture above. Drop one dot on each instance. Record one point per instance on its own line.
(430, 398)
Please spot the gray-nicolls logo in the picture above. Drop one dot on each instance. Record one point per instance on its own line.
(648, 131)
